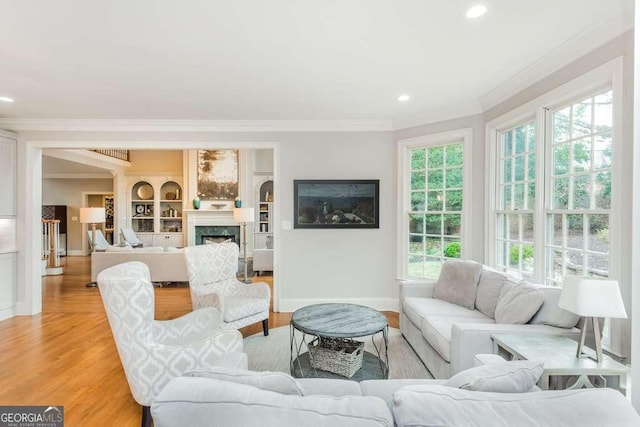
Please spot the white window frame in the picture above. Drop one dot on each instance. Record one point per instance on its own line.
(464, 136)
(608, 75)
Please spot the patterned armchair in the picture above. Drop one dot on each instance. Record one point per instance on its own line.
(153, 352)
(212, 280)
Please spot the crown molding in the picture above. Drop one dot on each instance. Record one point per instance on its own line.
(588, 40)
(77, 176)
(125, 125)
(437, 115)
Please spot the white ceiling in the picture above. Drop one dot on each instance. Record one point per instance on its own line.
(282, 59)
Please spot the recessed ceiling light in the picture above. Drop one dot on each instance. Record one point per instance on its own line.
(476, 11)
(5, 99)
(404, 98)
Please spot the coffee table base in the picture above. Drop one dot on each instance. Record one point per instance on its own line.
(372, 369)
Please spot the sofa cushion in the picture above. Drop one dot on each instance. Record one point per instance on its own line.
(517, 304)
(437, 331)
(417, 309)
(489, 286)
(189, 401)
(504, 377)
(272, 381)
(384, 389)
(329, 387)
(236, 308)
(458, 282)
(447, 406)
(550, 314)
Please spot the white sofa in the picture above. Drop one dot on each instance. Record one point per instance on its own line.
(243, 398)
(165, 266)
(446, 336)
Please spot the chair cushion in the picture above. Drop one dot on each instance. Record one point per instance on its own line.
(417, 308)
(437, 331)
(458, 282)
(504, 377)
(517, 304)
(236, 308)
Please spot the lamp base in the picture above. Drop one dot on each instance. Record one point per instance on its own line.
(597, 338)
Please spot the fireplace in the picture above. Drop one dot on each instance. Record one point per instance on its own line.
(216, 233)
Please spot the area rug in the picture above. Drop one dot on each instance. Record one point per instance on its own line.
(272, 353)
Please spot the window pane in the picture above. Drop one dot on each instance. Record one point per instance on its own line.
(454, 178)
(507, 165)
(518, 196)
(506, 197)
(417, 200)
(575, 231)
(507, 143)
(434, 200)
(531, 160)
(598, 233)
(531, 137)
(454, 155)
(561, 125)
(435, 157)
(418, 159)
(514, 227)
(433, 246)
(582, 155)
(452, 224)
(561, 193)
(520, 139)
(561, 159)
(432, 267)
(527, 227)
(557, 231)
(416, 244)
(531, 195)
(598, 265)
(602, 151)
(574, 263)
(582, 118)
(434, 179)
(555, 266)
(454, 200)
(416, 223)
(452, 248)
(417, 180)
(433, 224)
(519, 168)
(603, 190)
(603, 112)
(416, 266)
(581, 192)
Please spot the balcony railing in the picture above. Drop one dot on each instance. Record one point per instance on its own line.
(116, 154)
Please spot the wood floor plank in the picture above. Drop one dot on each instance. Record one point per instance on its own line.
(66, 355)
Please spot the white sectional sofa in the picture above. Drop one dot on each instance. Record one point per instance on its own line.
(447, 335)
(477, 397)
(165, 265)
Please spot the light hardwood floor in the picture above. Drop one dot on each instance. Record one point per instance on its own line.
(66, 355)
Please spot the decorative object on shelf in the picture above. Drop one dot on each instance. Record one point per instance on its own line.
(336, 203)
(218, 205)
(149, 211)
(242, 216)
(218, 174)
(266, 196)
(178, 194)
(237, 202)
(592, 298)
(196, 202)
(145, 192)
(140, 209)
(170, 196)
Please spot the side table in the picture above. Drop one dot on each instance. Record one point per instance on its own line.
(559, 356)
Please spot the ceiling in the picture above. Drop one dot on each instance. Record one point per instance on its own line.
(283, 59)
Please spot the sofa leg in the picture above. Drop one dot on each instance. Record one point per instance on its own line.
(265, 327)
(146, 416)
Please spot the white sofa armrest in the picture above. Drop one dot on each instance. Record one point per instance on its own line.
(196, 324)
(422, 289)
(469, 339)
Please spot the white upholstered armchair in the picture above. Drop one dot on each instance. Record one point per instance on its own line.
(153, 352)
(212, 280)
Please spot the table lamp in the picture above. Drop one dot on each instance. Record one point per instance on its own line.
(243, 216)
(92, 216)
(591, 298)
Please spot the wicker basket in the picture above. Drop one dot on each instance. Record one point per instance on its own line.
(338, 355)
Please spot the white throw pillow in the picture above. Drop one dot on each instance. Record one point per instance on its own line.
(489, 287)
(272, 381)
(505, 377)
(550, 314)
(517, 304)
(458, 282)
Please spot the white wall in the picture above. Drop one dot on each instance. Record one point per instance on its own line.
(166, 161)
(69, 192)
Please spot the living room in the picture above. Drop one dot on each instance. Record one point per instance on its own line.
(350, 265)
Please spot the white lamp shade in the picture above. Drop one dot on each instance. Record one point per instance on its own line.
(92, 215)
(241, 215)
(586, 296)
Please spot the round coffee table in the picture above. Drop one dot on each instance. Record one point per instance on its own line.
(339, 321)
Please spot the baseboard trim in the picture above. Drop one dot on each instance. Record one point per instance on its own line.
(7, 313)
(383, 304)
(76, 253)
